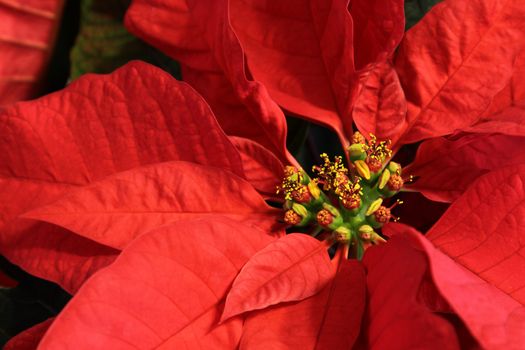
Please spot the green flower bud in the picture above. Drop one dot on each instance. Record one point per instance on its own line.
(394, 168)
(300, 209)
(357, 152)
(342, 234)
(333, 210)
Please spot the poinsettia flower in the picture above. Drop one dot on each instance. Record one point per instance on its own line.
(27, 34)
(445, 96)
(142, 288)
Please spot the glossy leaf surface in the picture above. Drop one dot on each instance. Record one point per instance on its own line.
(378, 29)
(513, 94)
(302, 52)
(478, 266)
(483, 230)
(494, 319)
(261, 167)
(506, 113)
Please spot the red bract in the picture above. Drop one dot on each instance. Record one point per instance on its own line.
(116, 210)
(41, 168)
(272, 276)
(27, 34)
(460, 48)
(179, 164)
(311, 54)
(328, 320)
(212, 62)
(448, 167)
(138, 167)
(144, 306)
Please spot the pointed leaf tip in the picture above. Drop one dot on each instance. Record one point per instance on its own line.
(330, 319)
(463, 54)
(166, 290)
(292, 268)
(119, 208)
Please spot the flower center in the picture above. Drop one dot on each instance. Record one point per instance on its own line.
(346, 202)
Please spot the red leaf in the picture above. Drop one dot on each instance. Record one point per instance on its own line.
(379, 26)
(165, 290)
(327, 320)
(27, 34)
(292, 268)
(511, 121)
(95, 127)
(513, 94)
(116, 210)
(395, 318)
(109, 123)
(199, 36)
(261, 167)
(494, 319)
(44, 250)
(446, 168)
(506, 113)
(455, 60)
(53, 253)
(29, 339)
(302, 52)
(381, 108)
(128, 102)
(483, 230)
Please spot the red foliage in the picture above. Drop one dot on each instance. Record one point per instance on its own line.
(133, 166)
(27, 34)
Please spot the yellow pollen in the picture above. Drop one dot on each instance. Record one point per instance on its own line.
(357, 137)
(331, 174)
(292, 218)
(291, 184)
(349, 190)
(379, 150)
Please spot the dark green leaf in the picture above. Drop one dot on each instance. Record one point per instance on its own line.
(416, 9)
(104, 44)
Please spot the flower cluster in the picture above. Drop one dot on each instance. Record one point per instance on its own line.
(350, 203)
